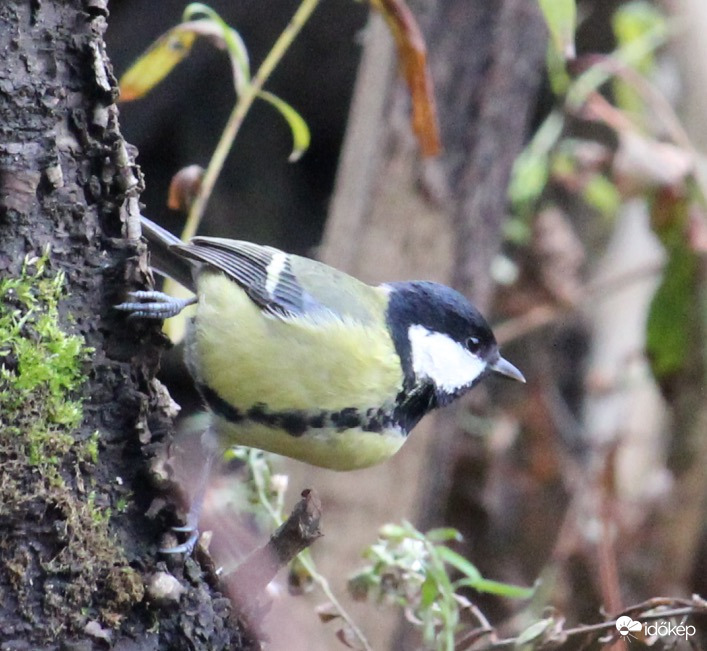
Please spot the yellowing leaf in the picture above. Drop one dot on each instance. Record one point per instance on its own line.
(156, 63)
(412, 55)
(561, 19)
(300, 131)
(534, 631)
(640, 29)
(222, 35)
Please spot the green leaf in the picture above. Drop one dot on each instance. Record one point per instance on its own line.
(671, 316)
(633, 22)
(636, 26)
(602, 195)
(443, 534)
(393, 531)
(672, 329)
(531, 169)
(497, 588)
(300, 131)
(457, 561)
(528, 179)
(429, 592)
(475, 580)
(534, 631)
(558, 76)
(561, 19)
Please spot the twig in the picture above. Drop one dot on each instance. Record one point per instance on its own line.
(245, 585)
(298, 532)
(660, 105)
(606, 551)
(474, 635)
(536, 317)
(642, 611)
(235, 120)
(306, 560)
(324, 586)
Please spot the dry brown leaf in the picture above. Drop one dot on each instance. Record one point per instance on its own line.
(412, 56)
(347, 637)
(184, 188)
(327, 612)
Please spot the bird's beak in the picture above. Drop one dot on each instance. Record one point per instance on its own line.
(504, 367)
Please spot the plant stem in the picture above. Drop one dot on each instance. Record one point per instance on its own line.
(235, 120)
(323, 584)
(304, 557)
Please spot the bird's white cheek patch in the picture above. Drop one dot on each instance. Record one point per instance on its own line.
(441, 359)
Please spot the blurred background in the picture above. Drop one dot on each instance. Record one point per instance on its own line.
(591, 476)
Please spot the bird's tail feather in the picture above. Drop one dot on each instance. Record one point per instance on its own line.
(163, 258)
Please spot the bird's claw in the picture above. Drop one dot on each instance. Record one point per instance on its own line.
(153, 305)
(187, 547)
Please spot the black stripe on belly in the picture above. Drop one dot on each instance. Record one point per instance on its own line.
(297, 422)
(293, 422)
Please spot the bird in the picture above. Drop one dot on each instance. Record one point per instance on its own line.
(295, 357)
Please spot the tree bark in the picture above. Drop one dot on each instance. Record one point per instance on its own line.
(76, 550)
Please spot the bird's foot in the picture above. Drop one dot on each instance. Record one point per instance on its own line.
(153, 305)
(187, 547)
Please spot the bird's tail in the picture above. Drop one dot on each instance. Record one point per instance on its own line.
(163, 258)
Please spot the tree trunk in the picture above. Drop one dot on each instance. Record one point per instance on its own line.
(77, 554)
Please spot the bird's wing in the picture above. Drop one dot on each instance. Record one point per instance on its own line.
(280, 284)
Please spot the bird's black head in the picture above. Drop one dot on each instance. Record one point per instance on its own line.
(444, 343)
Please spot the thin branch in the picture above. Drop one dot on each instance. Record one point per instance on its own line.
(306, 560)
(606, 551)
(297, 533)
(235, 120)
(645, 611)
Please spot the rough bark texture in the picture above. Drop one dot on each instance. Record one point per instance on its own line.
(76, 549)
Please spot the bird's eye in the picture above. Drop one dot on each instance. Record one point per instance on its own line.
(473, 344)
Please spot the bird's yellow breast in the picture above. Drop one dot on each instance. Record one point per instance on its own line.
(303, 363)
(318, 363)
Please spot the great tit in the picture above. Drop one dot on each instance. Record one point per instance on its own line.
(297, 358)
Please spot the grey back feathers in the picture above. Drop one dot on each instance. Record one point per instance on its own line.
(262, 271)
(281, 284)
